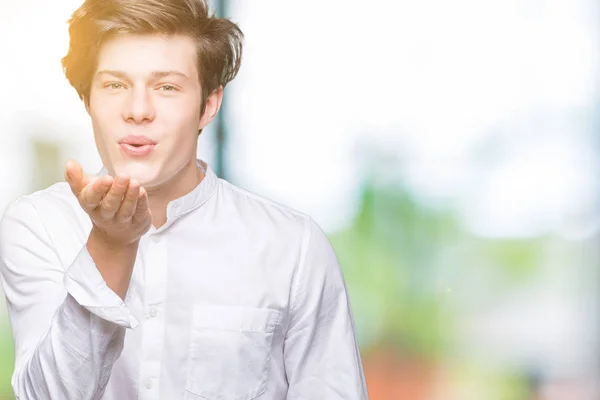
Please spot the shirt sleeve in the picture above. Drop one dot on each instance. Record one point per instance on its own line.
(68, 328)
(321, 353)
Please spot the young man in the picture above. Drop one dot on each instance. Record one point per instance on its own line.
(156, 279)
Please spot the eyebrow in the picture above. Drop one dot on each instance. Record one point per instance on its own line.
(155, 74)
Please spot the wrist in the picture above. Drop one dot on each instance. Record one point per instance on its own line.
(114, 259)
(100, 238)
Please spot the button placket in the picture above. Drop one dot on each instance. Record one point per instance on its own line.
(155, 237)
(153, 330)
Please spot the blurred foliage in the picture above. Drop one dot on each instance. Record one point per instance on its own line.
(515, 257)
(47, 164)
(462, 379)
(399, 255)
(6, 362)
(388, 257)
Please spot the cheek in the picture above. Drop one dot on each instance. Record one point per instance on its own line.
(104, 106)
(103, 130)
(100, 127)
(103, 117)
(183, 118)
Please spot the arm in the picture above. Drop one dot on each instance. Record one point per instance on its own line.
(69, 328)
(63, 348)
(321, 355)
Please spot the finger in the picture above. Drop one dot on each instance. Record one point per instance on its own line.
(75, 176)
(143, 205)
(92, 194)
(112, 200)
(129, 204)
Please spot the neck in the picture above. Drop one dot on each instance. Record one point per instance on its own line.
(181, 184)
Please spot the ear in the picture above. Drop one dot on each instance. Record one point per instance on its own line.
(213, 104)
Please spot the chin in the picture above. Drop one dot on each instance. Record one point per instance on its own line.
(147, 174)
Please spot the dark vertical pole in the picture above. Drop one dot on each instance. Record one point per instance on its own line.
(221, 129)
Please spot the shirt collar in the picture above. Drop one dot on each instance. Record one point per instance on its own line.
(193, 199)
(196, 197)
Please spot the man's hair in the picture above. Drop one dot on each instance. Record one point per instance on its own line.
(218, 40)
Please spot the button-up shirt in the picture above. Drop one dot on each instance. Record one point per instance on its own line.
(235, 297)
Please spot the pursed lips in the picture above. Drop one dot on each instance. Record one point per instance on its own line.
(137, 146)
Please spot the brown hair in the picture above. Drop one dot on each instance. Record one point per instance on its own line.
(218, 40)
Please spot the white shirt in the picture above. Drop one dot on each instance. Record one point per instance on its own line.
(234, 298)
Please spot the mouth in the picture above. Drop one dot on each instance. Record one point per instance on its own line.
(135, 140)
(137, 146)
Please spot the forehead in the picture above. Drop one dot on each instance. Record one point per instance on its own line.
(143, 54)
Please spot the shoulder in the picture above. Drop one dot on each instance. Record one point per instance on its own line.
(55, 205)
(262, 217)
(262, 209)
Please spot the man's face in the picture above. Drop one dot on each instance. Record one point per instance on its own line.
(145, 106)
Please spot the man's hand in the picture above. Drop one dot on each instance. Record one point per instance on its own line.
(120, 215)
(117, 207)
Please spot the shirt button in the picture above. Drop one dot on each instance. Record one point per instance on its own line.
(149, 383)
(155, 238)
(153, 312)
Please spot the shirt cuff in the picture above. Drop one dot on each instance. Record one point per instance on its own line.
(84, 282)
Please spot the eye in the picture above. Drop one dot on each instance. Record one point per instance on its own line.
(114, 85)
(168, 88)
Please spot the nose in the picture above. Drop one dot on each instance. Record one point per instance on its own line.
(138, 108)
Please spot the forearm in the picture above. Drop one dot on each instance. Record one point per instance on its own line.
(115, 261)
(73, 360)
